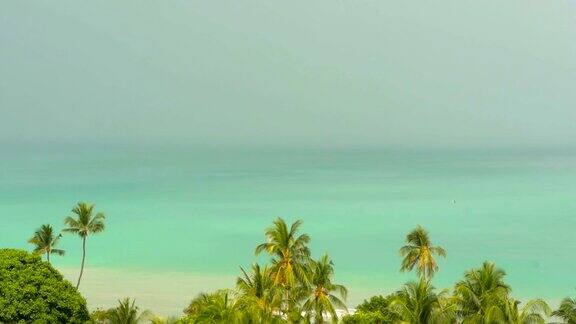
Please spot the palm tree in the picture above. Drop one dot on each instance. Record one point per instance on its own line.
(417, 303)
(217, 307)
(534, 312)
(322, 298)
(127, 313)
(258, 294)
(419, 253)
(482, 293)
(290, 261)
(290, 252)
(84, 225)
(46, 242)
(567, 310)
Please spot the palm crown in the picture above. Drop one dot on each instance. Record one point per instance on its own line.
(258, 291)
(289, 250)
(85, 224)
(482, 291)
(419, 253)
(45, 241)
(417, 303)
(127, 313)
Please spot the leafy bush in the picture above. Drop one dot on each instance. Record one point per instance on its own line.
(373, 310)
(33, 291)
(365, 318)
(375, 304)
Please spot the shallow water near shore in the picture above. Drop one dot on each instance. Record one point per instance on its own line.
(194, 216)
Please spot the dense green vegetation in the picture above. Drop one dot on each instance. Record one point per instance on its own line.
(292, 288)
(33, 291)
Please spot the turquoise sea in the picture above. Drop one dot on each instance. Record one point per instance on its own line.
(199, 213)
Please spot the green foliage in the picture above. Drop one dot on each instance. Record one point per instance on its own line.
(125, 313)
(83, 225)
(294, 288)
(33, 291)
(290, 253)
(419, 253)
(482, 293)
(567, 310)
(375, 304)
(365, 318)
(323, 295)
(534, 312)
(374, 310)
(258, 294)
(100, 316)
(217, 307)
(164, 320)
(45, 241)
(416, 303)
(290, 264)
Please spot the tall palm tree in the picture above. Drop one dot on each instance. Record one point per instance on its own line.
(322, 297)
(290, 262)
(127, 313)
(417, 303)
(258, 294)
(45, 241)
(84, 224)
(567, 310)
(290, 253)
(482, 294)
(419, 253)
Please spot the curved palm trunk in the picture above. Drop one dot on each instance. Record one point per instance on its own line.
(48, 257)
(83, 258)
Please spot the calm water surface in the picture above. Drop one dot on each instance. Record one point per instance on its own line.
(204, 211)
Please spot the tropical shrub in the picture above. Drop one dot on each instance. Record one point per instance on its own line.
(32, 291)
(365, 318)
(374, 310)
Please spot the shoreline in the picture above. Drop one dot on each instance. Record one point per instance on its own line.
(166, 293)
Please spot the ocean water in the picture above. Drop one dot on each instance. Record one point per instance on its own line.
(175, 216)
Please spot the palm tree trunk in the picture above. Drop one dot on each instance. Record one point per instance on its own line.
(48, 257)
(83, 258)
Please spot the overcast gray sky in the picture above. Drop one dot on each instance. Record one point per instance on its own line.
(450, 73)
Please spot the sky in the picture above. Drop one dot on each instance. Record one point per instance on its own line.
(339, 73)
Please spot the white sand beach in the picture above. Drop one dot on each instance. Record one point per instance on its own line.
(164, 293)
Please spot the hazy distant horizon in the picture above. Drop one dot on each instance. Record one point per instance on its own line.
(328, 74)
(111, 146)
